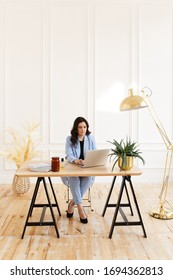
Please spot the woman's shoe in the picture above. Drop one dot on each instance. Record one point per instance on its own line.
(82, 212)
(84, 221)
(69, 215)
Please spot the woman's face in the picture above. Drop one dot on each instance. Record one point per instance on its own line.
(82, 128)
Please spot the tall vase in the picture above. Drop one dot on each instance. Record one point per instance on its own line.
(20, 185)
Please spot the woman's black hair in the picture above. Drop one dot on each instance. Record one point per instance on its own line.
(74, 131)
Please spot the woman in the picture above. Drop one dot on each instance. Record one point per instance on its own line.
(77, 144)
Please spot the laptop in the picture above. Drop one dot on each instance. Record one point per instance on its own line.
(95, 158)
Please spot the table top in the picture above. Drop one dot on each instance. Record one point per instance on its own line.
(71, 170)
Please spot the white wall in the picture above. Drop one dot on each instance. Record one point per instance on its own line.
(63, 58)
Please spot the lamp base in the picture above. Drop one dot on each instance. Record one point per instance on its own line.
(162, 213)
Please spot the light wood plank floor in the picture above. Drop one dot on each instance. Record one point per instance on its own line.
(83, 242)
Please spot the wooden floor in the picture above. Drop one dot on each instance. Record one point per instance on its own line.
(79, 241)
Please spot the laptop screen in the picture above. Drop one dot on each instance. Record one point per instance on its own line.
(96, 158)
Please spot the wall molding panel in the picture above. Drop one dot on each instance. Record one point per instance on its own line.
(68, 67)
(63, 58)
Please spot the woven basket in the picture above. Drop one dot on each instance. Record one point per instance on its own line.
(20, 185)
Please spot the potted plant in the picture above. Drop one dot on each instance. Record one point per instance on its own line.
(124, 152)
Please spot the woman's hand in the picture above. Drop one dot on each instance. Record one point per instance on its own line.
(78, 161)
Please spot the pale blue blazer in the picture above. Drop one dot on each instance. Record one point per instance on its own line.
(73, 152)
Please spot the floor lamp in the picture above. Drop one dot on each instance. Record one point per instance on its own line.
(142, 100)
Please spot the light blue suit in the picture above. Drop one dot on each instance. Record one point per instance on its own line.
(78, 185)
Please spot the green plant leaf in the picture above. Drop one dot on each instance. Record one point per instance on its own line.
(124, 148)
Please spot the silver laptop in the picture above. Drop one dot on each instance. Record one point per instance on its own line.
(95, 158)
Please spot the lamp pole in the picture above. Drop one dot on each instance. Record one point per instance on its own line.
(137, 102)
(162, 212)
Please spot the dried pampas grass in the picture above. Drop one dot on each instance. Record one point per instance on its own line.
(22, 148)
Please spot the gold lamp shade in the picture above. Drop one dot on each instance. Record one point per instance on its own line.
(132, 102)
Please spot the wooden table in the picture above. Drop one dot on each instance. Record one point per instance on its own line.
(72, 170)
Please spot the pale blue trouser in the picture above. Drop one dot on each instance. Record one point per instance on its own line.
(78, 186)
